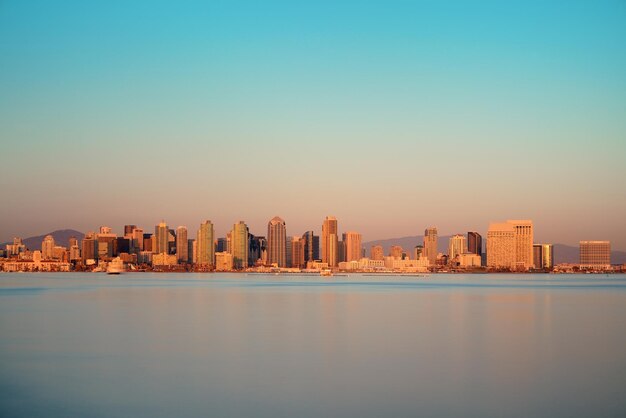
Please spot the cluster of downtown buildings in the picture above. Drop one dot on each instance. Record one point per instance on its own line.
(509, 246)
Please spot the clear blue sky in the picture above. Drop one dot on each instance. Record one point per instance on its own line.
(391, 115)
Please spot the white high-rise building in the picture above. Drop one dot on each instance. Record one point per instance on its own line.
(456, 246)
(510, 245)
(47, 247)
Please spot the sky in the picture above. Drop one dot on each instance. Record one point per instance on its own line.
(392, 116)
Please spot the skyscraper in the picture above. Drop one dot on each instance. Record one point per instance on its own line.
(297, 252)
(352, 243)
(330, 241)
(182, 249)
(595, 255)
(501, 246)
(47, 247)
(430, 245)
(396, 252)
(311, 246)
(276, 242)
(90, 247)
(128, 231)
(418, 251)
(161, 234)
(456, 246)
(523, 244)
(377, 252)
(205, 248)
(474, 243)
(239, 245)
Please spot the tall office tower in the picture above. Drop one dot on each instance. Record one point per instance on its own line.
(352, 243)
(47, 247)
(277, 242)
(74, 252)
(523, 244)
(288, 253)
(474, 243)
(377, 252)
(229, 242)
(239, 245)
(221, 245)
(137, 243)
(194, 251)
(547, 257)
(128, 231)
(595, 255)
(456, 246)
(121, 245)
(396, 252)
(257, 250)
(147, 242)
(430, 245)
(161, 234)
(182, 249)
(311, 246)
(330, 243)
(90, 247)
(297, 252)
(205, 247)
(537, 255)
(501, 246)
(72, 241)
(418, 251)
(191, 243)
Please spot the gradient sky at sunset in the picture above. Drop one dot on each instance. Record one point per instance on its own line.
(391, 115)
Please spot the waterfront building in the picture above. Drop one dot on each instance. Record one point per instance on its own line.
(396, 252)
(595, 255)
(239, 245)
(474, 243)
(137, 240)
(418, 252)
(297, 252)
(190, 250)
(330, 243)
(457, 245)
(161, 238)
(468, 260)
(501, 246)
(47, 247)
(311, 246)
(257, 250)
(543, 256)
(164, 260)
(288, 252)
(377, 252)
(277, 242)
(74, 252)
(205, 247)
(352, 243)
(223, 261)
(90, 247)
(182, 249)
(430, 245)
(16, 248)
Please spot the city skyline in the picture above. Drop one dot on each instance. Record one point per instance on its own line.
(392, 116)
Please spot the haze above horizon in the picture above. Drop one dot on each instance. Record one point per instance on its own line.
(392, 116)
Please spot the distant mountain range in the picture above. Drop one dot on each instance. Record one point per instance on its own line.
(562, 253)
(61, 237)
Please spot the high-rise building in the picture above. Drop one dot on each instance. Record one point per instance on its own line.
(418, 251)
(311, 246)
(330, 242)
(205, 247)
(288, 253)
(182, 249)
(221, 245)
(396, 252)
(543, 256)
(72, 241)
(137, 243)
(595, 255)
(511, 245)
(47, 247)
(523, 244)
(191, 244)
(239, 245)
(257, 250)
(456, 246)
(147, 243)
(90, 247)
(377, 252)
(297, 252)
(128, 231)
(474, 243)
(430, 245)
(161, 234)
(501, 246)
(352, 244)
(277, 242)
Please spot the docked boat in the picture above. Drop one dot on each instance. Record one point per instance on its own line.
(326, 272)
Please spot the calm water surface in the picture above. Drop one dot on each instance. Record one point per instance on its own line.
(179, 345)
